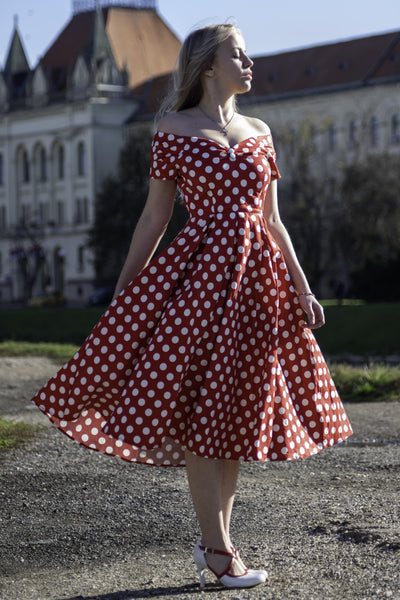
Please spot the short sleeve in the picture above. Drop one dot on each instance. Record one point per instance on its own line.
(163, 158)
(271, 155)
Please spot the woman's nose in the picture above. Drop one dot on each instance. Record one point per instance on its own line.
(248, 61)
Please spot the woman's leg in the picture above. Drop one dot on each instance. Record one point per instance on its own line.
(230, 472)
(212, 485)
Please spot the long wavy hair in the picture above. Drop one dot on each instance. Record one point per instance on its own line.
(196, 56)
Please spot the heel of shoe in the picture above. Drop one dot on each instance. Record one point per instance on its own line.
(200, 562)
(202, 578)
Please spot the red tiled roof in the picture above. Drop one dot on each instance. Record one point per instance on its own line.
(70, 43)
(139, 38)
(327, 66)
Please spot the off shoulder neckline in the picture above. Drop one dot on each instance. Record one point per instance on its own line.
(206, 139)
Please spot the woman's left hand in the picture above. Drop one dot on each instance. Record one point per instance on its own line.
(314, 312)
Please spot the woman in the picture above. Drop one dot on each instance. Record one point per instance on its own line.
(204, 358)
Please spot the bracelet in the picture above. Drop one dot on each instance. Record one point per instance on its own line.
(306, 294)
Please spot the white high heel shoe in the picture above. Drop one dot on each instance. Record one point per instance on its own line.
(249, 578)
(261, 572)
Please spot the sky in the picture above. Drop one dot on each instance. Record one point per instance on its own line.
(268, 26)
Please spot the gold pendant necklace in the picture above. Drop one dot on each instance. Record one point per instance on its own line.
(223, 128)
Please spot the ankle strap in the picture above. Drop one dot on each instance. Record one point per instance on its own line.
(209, 550)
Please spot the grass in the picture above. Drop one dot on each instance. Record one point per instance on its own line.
(370, 383)
(58, 352)
(14, 433)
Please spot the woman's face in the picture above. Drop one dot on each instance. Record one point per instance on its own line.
(232, 66)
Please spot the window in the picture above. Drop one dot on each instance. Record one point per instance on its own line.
(25, 167)
(85, 210)
(374, 131)
(81, 210)
(25, 213)
(395, 130)
(81, 159)
(60, 213)
(81, 258)
(78, 211)
(314, 136)
(353, 134)
(332, 137)
(3, 218)
(43, 213)
(1, 170)
(43, 173)
(60, 163)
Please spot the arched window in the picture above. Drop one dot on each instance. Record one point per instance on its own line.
(332, 137)
(374, 131)
(60, 163)
(26, 176)
(353, 134)
(43, 172)
(395, 130)
(1, 170)
(81, 159)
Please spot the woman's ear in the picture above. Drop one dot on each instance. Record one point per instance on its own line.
(209, 72)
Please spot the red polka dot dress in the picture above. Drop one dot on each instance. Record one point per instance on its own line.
(203, 350)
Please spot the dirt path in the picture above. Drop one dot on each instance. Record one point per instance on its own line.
(79, 525)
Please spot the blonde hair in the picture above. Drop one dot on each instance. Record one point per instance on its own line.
(196, 56)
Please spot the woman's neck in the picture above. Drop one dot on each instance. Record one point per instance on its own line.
(218, 108)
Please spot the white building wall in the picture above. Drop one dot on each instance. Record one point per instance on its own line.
(335, 108)
(98, 124)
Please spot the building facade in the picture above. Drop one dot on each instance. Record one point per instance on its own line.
(61, 131)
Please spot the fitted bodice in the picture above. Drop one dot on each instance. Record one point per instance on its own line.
(215, 178)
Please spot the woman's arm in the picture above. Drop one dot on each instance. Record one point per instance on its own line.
(149, 230)
(309, 304)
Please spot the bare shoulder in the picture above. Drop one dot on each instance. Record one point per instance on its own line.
(176, 123)
(259, 127)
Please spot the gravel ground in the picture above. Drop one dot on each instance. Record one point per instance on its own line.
(78, 525)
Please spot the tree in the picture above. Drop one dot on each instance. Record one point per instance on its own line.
(119, 205)
(308, 200)
(369, 230)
